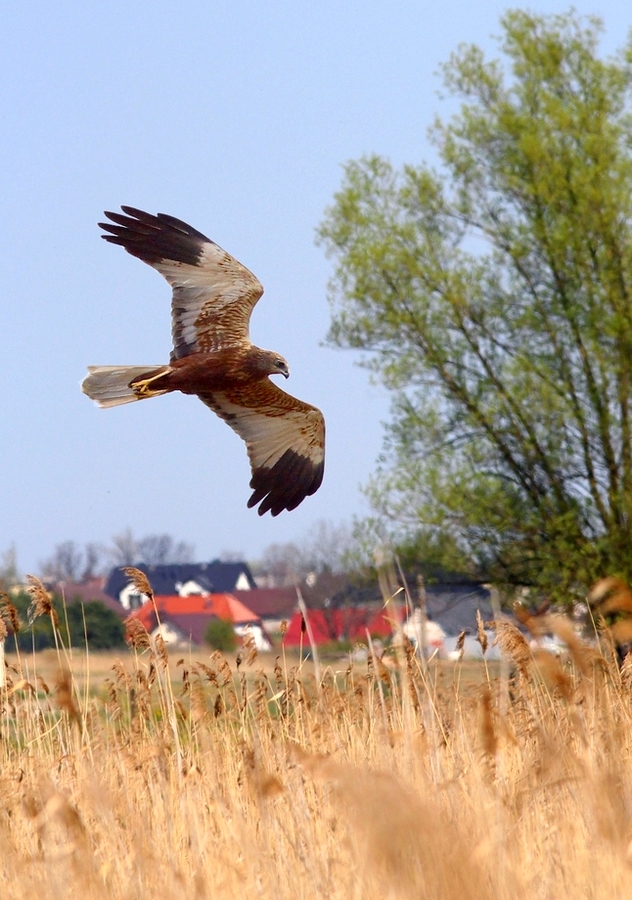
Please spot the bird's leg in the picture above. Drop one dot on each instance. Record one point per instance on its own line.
(141, 388)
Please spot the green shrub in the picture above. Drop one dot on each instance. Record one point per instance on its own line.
(220, 635)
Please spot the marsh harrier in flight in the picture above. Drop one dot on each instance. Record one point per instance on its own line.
(213, 357)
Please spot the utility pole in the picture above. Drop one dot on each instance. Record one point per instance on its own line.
(422, 637)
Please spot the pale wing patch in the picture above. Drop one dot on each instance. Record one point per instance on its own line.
(212, 301)
(216, 272)
(268, 436)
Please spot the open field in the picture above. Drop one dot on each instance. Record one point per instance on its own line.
(140, 775)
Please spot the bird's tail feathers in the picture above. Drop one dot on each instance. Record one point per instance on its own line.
(115, 385)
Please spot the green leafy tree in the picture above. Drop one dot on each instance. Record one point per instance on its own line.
(494, 300)
(220, 635)
(95, 622)
(77, 621)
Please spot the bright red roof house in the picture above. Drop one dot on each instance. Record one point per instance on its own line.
(329, 625)
(185, 619)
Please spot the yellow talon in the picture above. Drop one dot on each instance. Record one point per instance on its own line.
(141, 388)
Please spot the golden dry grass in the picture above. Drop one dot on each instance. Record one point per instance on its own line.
(145, 774)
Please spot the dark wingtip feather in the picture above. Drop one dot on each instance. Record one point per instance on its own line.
(286, 484)
(154, 238)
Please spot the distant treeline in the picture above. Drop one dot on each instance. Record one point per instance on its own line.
(78, 624)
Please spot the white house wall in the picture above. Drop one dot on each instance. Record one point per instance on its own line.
(127, 593)
(257, 633)
(190, 588)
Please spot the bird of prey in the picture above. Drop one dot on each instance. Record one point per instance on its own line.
(213, 357)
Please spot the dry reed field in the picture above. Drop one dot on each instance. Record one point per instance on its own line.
(189, 777)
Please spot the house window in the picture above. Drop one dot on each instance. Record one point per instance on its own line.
(135, 601)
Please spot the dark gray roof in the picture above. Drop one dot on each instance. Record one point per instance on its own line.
(215, 577)
(452, 605)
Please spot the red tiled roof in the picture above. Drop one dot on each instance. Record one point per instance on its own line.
(223, 606)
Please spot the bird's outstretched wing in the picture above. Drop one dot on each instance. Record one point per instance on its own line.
(285, 439)
(213, 294)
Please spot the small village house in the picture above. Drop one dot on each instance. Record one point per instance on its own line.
(182, 621)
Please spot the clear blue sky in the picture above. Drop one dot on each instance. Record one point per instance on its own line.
(236, 117)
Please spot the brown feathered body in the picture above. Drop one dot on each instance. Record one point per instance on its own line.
(213, 358)
(219, 370)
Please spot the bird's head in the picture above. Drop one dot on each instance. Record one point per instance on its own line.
(267, 362)
(279, 365)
